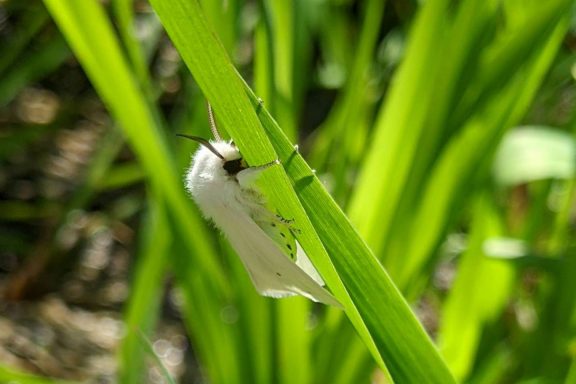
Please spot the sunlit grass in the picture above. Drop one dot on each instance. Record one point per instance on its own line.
(412, 156)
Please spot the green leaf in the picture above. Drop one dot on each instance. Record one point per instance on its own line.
(142, 309)
(480, 292)
(10, 375)
(534, 153)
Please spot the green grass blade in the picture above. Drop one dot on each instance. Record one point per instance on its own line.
(10, 375)
(213, 331)
(149, 348)
(34, 19)
(293, 340)
(32, 66)
(352, 107)
(282, 37)
(126, 28)
(479, 294)
(282, 18)
(227, 19)
(399, 125)
(142, 309)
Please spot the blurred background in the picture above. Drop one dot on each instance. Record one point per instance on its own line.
(445, 131)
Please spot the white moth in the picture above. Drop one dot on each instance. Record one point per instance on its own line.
(224, 187)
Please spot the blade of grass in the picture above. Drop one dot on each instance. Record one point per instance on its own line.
(495, 369)
(142, 309)
(506, 56)
(226, 18)
(339, 146)
(480, 292)
(345, 128)
(258, 327)
(293, 341)
(571, 376)
(281, 19)
(560, 235)
(280, 40)
(125, 15)
(149, 348)
(264, 60)
(10, 375)
(211, 324)
(399, 125)
(32, 66)
(34, 19)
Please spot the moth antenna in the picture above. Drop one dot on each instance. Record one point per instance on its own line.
(204, 142)
(213, 127)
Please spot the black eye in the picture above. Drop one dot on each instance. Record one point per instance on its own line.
(234, 166)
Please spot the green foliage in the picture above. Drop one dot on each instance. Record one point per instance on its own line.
(432, 141)
(9, 375)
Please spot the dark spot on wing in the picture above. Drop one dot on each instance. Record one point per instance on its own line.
(282, 234)
(289, 246)
(273, 224)
(278, 274)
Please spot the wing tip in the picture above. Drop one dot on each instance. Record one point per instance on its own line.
(326, 299)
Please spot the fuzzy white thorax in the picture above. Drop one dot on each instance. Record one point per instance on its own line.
(211, 186)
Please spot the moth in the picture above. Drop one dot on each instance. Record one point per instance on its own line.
(224, 187)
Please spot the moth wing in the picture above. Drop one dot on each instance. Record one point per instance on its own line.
(306, 265)
(281, 233)
(271, 271)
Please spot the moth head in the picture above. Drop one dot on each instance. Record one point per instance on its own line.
(227, 152)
